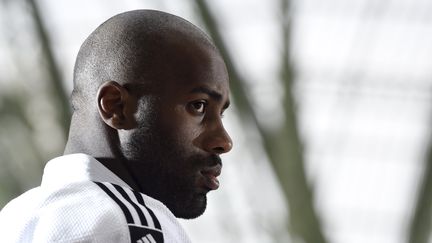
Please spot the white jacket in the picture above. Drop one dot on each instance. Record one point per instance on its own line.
(80, 200)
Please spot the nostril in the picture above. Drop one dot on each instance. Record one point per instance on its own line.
(219, 150)
(218, 141)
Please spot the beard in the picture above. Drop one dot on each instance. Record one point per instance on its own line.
(167, 169)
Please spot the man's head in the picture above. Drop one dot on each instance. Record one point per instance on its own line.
(151, 88)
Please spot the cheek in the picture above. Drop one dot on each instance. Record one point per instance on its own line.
(182, 126)
(187, 132)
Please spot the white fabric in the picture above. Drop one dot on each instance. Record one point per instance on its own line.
(69, 207)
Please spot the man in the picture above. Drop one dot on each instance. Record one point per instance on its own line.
(149, 92)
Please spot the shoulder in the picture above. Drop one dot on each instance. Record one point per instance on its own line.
(143, 224)
(75, 212)
(148, 219)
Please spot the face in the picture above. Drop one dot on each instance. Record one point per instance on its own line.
(174, 153)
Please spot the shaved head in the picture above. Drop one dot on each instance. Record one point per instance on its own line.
(135, 47)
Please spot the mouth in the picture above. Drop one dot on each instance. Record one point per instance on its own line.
(210, 175)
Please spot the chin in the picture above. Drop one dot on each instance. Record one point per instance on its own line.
(191, 209)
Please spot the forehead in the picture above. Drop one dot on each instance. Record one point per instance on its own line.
(191, 65)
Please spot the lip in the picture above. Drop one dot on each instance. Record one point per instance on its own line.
(210, 175)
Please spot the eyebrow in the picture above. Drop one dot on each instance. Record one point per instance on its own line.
(213, 94)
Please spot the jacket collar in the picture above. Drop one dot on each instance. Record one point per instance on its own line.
(79, 167)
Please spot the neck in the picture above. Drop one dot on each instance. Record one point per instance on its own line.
(92, 137)
(95, 138)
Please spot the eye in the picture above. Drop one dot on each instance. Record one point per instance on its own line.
(198, 107)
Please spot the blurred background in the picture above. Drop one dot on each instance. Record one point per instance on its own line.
(330, 122)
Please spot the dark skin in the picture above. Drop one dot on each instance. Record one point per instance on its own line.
(163, 140)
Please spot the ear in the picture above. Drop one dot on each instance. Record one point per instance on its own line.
(116, 106)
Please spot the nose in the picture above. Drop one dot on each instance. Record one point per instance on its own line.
(218, 141)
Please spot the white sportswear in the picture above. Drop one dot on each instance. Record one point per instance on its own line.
(80, 200)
